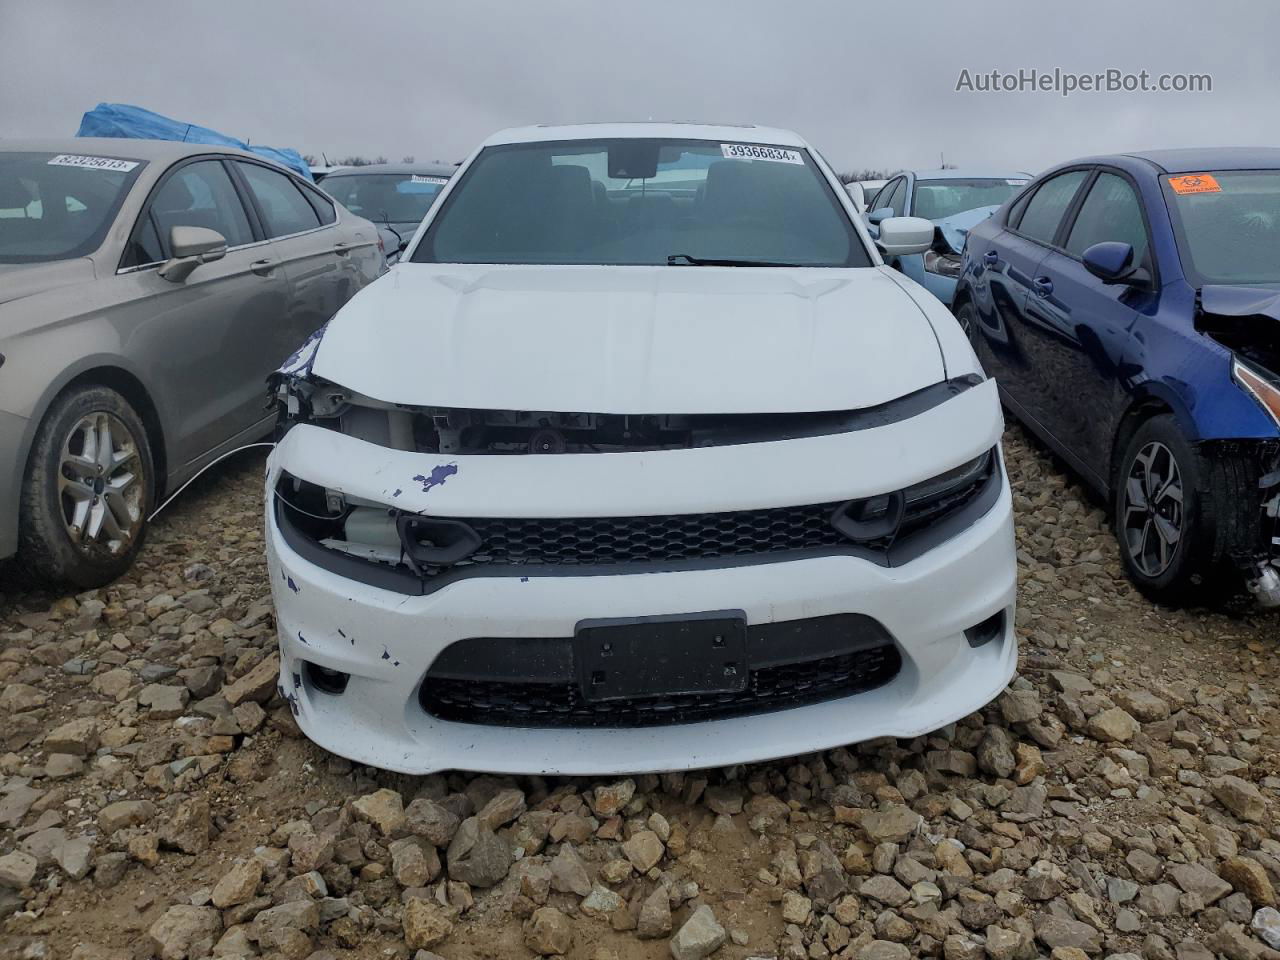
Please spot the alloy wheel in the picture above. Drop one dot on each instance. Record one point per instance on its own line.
(101, 484)
(1153, 510)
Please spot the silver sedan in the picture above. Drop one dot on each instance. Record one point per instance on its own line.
(147, 290)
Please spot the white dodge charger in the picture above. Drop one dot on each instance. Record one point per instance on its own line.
(638, 460)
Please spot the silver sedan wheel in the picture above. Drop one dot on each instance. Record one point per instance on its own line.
(1153, 511)
(101, 484)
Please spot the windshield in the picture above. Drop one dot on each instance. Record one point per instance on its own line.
(643, 201)
(1228, 225)
(939, 199)
(393, 197)
(55, 206)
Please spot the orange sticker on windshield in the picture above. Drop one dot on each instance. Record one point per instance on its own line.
(1195, 183)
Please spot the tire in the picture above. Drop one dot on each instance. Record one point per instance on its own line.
(69, 487)
(1212, 520)
(967, 317)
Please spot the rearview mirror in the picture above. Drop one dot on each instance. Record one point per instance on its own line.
(1110, 261)
(879, 214)
(903, 236)
(191, 247)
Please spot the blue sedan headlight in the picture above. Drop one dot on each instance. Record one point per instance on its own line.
(1261, 385)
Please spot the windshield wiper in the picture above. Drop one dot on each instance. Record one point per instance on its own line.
(684, 260)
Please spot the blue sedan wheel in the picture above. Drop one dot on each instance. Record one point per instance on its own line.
(1153, 509)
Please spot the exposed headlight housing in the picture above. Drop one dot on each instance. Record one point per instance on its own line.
(943, 264)
(1262, 385)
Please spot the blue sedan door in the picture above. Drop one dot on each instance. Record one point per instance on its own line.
(1012, 336)
(1088, 323)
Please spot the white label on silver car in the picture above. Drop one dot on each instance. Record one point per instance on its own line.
(1016, 183)
(420, 179)
(97, 163)
(748, 151)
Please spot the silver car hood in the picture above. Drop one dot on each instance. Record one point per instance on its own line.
(630, 339)
(19, 280)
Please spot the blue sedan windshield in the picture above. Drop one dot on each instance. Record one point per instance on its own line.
(1228, 225)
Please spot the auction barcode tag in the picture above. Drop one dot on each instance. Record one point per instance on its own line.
(748, 151)
(95, 163)
(420, 179)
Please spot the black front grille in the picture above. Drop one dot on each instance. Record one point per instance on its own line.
(515, 703)
(689, 536)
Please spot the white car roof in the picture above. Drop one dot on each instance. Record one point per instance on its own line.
(725, 133)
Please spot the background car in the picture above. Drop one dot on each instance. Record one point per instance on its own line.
(396, 196)
(147, 289)
(1129, 307)
(954, 200)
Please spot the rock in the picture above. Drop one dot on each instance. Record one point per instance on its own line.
(644, 850)
(1019, 706)
(1142, 704)
(601, 902)
(15, 804)
(1204, 883)
(285, 928)
(655, 915)
(568, 873)
(477, 855)
(164, 702)
(125, 813)
(1112, 726)
(249, 716)
(609, 799)
(414, 862)
(1266, 924)
(238, 885)
(1055, 932)
(796, 908)
(958, 762)
(699, 937)
(1250, 878)
(189, 828)
(257, 685)
(995, 752)
(78, 738)
(185, 931)
(20, 698)
(503, 807)
(884, 950)
(894, 824)
(75, 857)
(425, 924)
(724, 799)
(1240, 797)
(384, 809)
(310, 851)
(432, 821)
(548, 932)
(17, 870)
(1072, 684)
(885, 889)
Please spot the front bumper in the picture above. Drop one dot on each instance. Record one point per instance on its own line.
(387, 641)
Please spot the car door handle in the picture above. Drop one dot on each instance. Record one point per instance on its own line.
(1043, 286)
(991, 258)
(263, 268)
(342, 249)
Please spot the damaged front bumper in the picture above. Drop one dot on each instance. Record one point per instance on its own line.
(471, 664)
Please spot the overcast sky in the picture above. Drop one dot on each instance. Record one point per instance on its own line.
(869, 85)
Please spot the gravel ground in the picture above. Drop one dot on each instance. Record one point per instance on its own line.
(156, 800)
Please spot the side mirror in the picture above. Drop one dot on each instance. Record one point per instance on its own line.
(191, 247)
(903, 236)
(878, 215)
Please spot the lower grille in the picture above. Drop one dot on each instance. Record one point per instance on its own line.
(516, 703)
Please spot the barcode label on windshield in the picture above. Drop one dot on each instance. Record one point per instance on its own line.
(747, 151)
(95, 163)
(420, 179)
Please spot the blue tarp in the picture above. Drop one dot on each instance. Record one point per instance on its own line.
(123, 120)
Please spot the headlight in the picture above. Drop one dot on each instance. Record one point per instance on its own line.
(1262, 385)
(943, 264)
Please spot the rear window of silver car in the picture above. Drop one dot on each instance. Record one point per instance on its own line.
(56, 206)
(643, 201)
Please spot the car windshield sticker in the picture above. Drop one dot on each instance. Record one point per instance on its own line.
(418, 179)
(1195, 183)
(95, 163)
(747, 151)
(1016, 183)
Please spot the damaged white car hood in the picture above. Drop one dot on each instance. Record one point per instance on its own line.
(630, 339)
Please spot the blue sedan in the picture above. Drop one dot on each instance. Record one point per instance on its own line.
(1129, 309)
(954, 200)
